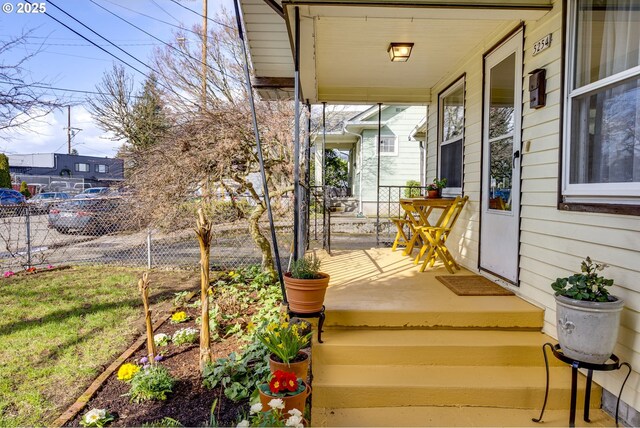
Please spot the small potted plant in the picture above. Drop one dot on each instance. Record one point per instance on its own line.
(285, 342)
(285, 392)
(588, 316)
(434, 190)
(306, 285)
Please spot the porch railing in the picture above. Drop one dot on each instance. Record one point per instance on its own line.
(389, 207)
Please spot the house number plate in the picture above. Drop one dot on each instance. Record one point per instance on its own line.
(542, 44)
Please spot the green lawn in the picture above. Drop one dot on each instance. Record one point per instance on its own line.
(59, 330)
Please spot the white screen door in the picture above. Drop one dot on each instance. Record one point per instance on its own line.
(501, 145)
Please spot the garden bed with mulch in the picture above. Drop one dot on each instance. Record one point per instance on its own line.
(241, 303)
(189, 403)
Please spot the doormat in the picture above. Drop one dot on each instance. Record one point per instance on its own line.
(473, 285)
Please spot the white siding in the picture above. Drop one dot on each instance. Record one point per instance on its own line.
(395, 170)
(552, 242)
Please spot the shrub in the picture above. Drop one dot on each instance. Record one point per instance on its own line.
(185, 335)
(151, 383)
(5, 177)
(24, 189)
(412, 190)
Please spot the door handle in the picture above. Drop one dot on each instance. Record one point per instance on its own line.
(516, 155)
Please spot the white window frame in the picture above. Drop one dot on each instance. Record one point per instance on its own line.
(78, 164)
(459, 83)
(105, 167)
(602, 193)
(395, 145)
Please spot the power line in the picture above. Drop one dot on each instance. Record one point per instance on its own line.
(151, 17)
(202, 16)
(106, 51)
(72, 55)
(165, 43)
(86, 44)
(165, 11)
(102, 37)
(53, 88)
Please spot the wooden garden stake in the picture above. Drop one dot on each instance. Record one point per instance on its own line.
(203, 231)
(143, 286)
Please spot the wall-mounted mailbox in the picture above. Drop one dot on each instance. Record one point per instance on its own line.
(537, 88)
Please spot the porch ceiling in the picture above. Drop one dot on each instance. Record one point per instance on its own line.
(344, 44)
(344, 48)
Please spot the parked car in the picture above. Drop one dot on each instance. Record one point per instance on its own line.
(96, 216)
(10, 201)
(59, 186)
(42, 202)
(11, 197)
(93, 192)
(81, 187)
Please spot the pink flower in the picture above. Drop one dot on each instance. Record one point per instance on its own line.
(50, 267)
(8, 273)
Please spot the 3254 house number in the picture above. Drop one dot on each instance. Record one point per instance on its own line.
(542, 44)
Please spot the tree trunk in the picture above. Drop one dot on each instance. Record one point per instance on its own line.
(203, 232)
(143, 287)
(262, 242)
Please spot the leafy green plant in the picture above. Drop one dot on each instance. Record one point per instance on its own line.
(283, 340)
(24, 189)
(164, 422)
(185, 335)
(272, 417)
(437, 184)
(239, 375)
(306, 268)
(587, 285)
(151, 383)
(180, 298)
(412, 190)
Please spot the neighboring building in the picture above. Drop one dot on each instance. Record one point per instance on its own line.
(535, 109)
(92, 169)
(402, 157)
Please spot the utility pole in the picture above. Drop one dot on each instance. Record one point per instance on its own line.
(69, 129)
(204, 55)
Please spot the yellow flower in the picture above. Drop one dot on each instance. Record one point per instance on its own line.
(127, 371)
(251, 327)
(285, 325)
(280, 345)
(179, 317)
(272, 326)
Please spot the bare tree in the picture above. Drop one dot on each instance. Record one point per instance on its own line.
(21, 101)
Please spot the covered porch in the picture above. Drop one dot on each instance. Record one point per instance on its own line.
(401, 349)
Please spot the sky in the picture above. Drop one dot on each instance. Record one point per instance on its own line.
(65, 60)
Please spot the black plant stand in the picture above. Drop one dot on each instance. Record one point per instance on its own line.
(575, 365)
(319, 314)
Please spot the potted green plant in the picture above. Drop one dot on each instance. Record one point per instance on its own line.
(588, 316)
(285, 341)
(434, 190)
(306, 285)
(285, 392)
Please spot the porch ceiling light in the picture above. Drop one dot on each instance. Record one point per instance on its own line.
(400, 52)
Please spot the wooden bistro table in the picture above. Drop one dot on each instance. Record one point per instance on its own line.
(418, 210)
(433, 237)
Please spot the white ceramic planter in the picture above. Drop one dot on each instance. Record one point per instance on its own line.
(588, 331)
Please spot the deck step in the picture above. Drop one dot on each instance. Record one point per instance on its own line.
(432, 347)
(356, 386)
(445, 318)
(450, 417)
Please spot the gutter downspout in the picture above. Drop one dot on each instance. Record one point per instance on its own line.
(344, 129)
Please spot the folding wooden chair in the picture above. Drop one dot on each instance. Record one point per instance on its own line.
(435, 237)
(410, 221)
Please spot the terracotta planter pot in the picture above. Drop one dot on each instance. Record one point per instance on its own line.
(306, 296)
(432, 194)
(300, 368)
(297, 401)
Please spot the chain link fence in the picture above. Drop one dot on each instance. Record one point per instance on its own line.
(113, 230)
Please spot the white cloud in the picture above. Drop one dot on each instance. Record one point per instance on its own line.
(48, 135)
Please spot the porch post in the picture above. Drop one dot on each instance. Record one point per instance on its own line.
(324, 185)
(307, 178)
(378, 176)
(298, 251)
(256, 131)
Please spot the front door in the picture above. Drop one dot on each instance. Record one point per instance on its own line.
(501, 152)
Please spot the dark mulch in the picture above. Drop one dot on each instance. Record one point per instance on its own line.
(190, 403)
